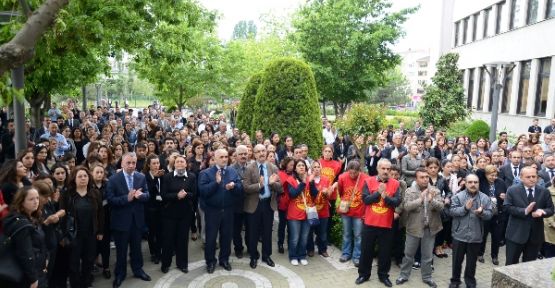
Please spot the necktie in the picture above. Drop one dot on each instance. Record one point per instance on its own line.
(261, 167)
(551, 173)
(516, 172)
(530, 195)
(129, 181)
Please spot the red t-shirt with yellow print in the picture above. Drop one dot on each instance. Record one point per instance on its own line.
(346, 186)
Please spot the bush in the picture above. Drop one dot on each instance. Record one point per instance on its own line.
(287, 103)
(457, 129)
(336, 235)
(245, 112)
(477, 129)
(412, 114)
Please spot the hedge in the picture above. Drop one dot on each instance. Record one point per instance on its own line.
(245, 113)
(287, 103)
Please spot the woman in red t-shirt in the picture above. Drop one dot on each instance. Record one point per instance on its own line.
(285, 177)
(300, 187)
(322, 205)
(330, 170)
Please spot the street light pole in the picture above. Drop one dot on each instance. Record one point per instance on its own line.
(97, 85)
(497, 78)
(19, 110)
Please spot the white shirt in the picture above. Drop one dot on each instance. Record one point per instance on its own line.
(328, 135)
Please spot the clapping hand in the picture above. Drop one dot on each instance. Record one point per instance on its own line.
(382, 191)
(273, 178)
(181, 194)
(138, 193)
(218, 177)
(479, 210)
(469, 203)
(230, 185)
(529, 208)
(538, 213)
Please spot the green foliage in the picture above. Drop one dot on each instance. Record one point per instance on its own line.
(348, 45)
(244, 30)
(395, 90)
(444, 101)
(287, 103)
(395, 120)
(336, 235)
(477, 129)
(457, 129)
(245, 113)
(362, 120)
(407, 113)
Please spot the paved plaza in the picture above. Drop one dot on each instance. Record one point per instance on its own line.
(319, 273)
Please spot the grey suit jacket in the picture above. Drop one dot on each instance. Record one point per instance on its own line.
(251, 178)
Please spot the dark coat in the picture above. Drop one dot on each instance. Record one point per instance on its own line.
(174, 207)
(125, 213)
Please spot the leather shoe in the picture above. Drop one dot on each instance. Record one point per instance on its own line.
(210, 268)
(269, 261)
(386, 282)
(226, 266)
(183, 269)
(481, 259)
(361, 279)
(310, 253)
(280, 249)
(253, 263)
(495, 261)
(143, 276)
(401, 281)
(239, 254)
(430, 283)
(325, 254)
(165, 269)
(117, 283)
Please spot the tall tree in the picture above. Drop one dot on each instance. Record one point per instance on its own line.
(444, 101)
(244, 30)
(396, 89)
(348, 44)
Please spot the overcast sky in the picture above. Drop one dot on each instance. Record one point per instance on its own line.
(417, 28)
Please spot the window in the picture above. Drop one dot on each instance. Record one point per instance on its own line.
(470, 88)
(515, 20)
(482, 89)
(464, 30)
(491, 87)
(486, 23)
(423, 64)
(422, 73)
(499, 16)
(507, 90)
(457, 33)
(474, 26)
(550, 9)
(523, 87)
(532, 13)
(540, 105)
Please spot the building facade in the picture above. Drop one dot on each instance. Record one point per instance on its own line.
(516, 31)
(416, 68)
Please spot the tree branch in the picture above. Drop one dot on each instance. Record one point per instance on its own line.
(21, 48)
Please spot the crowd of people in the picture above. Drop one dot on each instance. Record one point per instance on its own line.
(108, 176)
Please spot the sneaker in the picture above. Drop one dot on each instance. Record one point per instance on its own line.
(344, 258)
(295, 262)
(416, 266)
(304, 262)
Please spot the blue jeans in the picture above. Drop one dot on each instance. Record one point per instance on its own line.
(321, 232)
(298, 235)
(351, 227)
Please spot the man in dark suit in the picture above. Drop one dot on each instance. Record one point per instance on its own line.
(71, 122)
(551, 128)
(239, 214)
(218, 187)
(42, 130)
(394, 152)
(527, 204)
(418, 130)
(262, 187)
(511, 171)
(548, 171)
(127, 193)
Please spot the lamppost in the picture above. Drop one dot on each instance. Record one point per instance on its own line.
(97, 85)
(497, 74)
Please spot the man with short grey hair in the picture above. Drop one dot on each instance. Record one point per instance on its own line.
(469, 209)
(240, 166)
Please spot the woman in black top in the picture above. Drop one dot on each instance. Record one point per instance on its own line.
(12, 176)
(83, 203)
(178, 189)
(103, 245)
(153, 175)
(28, 244)
(80, 140)
(41, 154)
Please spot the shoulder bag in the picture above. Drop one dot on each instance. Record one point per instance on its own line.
(345, 205)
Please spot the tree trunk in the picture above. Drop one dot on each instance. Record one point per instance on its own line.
(324, 109)
(36, 100)
(342, 108)
(21, 48)
(336, 110)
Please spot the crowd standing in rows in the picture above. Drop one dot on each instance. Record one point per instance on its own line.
(92, 178)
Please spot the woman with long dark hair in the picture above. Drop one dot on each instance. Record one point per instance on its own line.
(27, 245)
(40, 152)
(13, 175)
(80, 140)
(285, 176)
(106, 158)
(27, 157)
(287, 149)
(83, 202)
(153, 174)
(103, 245)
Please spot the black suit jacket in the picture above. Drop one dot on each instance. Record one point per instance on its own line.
(506, 173)
(546, 177)
(72, 125)
(173, 206)
(523, 228)
(125, 213)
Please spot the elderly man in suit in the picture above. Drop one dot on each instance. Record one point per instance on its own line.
(218, 186)
(527, 204)
(127, 194)
(262, 187)
(511, 171)
(239, 215)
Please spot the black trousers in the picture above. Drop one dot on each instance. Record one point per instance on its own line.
(60, 272)
(330, 221)
(83, 251)
(460, 250)
(398, 248)
(281, 226)
(384, 238)
(239, 220)
(176, 238)
(528, 251)
(218, 222)
(103, 246)
(155, 236)
(125, 240)
(260, 224)
(491, 227)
